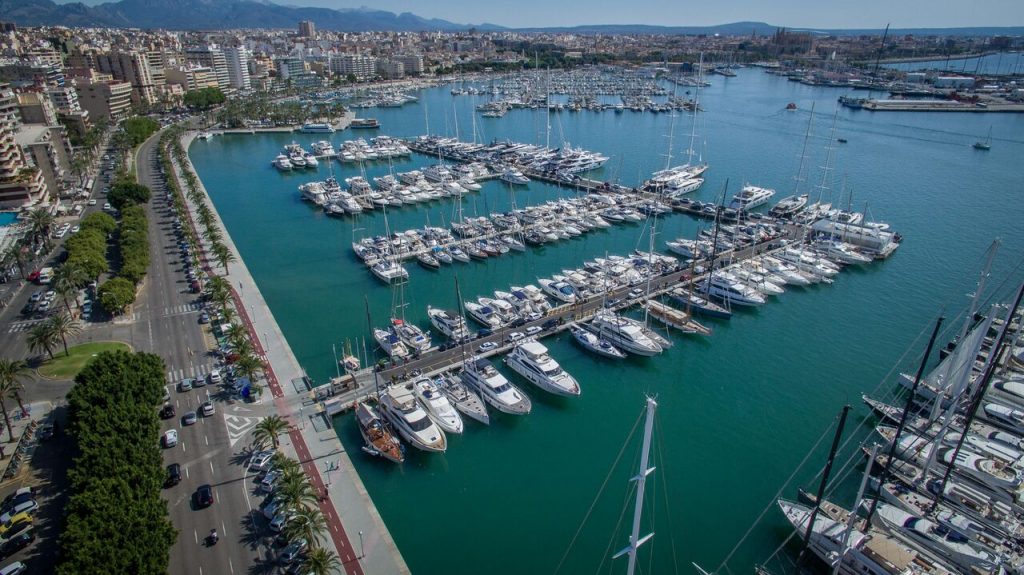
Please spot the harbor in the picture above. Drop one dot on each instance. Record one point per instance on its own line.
(749, 398)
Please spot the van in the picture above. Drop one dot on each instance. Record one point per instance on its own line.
(45, 276)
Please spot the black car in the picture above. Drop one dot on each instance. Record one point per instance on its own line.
(17, 500)
(204, 496)
(17, 542)
(483, 333)
(28, 309)
(518, 322)
(550, 323)
(173, 475)
(19, 494)
(167, 411)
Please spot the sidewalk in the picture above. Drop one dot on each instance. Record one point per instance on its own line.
(362, 541)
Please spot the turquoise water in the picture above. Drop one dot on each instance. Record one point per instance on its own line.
(7, 218)
(737, 411)
(1002, 64)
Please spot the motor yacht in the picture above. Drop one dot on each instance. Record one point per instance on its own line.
(697, 304)
(437, 406)
(624, 333)
(732, 291)
(464, 399)
(593, 343)
(390, 343)
(751, 197)
(531, 360)
(412, 336)
(281, 162)
(481, 376)
(485, 315)
(389, 271)
(399, 406)
(515, 177)
(788, 206)
(450, 323)
(559, 290)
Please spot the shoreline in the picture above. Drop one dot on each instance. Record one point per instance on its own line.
(378, 552)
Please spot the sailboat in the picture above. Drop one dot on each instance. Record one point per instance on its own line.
(377, 435)
(985, 144)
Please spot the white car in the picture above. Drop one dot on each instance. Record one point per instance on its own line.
(259, 460)
(215, 377)
(23, 507)
(76, 229)
(515, 336)
(207, 408)
(170, 438)
(534, 330)
(92, 201)
(487, 346)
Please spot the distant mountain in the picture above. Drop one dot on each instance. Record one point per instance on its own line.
(212, 15)
(223, 14)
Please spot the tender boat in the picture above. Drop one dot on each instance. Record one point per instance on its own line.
(481, 376)
(463, 398)
(531, 360)
(593, 343)
(379, 439)
(437, 406)
(450, 323)
(399, 406)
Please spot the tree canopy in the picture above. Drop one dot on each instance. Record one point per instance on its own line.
(117, 521)
(139, 128)
(126, 192)
(116, 295)
(134, 243)
(204, 97)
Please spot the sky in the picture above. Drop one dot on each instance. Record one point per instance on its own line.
(791, 13)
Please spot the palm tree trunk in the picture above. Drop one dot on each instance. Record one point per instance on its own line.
(21, 406)
(7, 421)
(65, 340)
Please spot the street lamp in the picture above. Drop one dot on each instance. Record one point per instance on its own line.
(361, 554)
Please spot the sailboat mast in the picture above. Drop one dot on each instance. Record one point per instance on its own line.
(824, 480)
(800, 177)
(696, 104)
(635, 541)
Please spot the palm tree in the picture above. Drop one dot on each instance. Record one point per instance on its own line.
(223, 255)
(11, 374)
(39, 222)
(306, 523)
(322, 561)
(42, 338)
(295, 492)
(64, 326)
(269, 429)
(66, 281)
(236, 334)
(248, 365)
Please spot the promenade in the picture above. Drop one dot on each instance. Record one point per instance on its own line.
(357, 531)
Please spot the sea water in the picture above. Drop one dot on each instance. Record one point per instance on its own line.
(737, 410)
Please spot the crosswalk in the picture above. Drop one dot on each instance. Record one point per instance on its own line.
(182, 309)
(20, 326)
(193, 371)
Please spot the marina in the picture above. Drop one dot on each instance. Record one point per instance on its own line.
(758, 389)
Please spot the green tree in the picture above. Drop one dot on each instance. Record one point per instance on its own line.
(42, 338)
(103, 222)
(223, 255)
(12, 372)
(321, 561)
(116, 295)
(268, 431)
(126, 192)
(248, 365)
(136, 130)
(40, 221)
(204, 98)
(64, 326)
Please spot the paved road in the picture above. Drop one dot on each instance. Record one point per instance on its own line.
(212, 451)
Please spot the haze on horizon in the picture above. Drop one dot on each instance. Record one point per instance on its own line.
(872, 14)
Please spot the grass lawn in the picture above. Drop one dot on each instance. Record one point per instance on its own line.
(67, 367)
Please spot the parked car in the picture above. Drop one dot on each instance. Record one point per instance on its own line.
(515, 336)
(16, 568)
(167, 411)
(260, 460)
(19, 493)
(11, 522)
(215, 377)
(487, 346)
(534, 330)
(204, 317)
(17, 542)
(24, 508)
(204, 496)
(173, 475)
(270, 480)
(292, 551)
(36, 295)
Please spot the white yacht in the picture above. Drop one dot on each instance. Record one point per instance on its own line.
(734, 292)
(559, 290)
(388, 271)
(941, 539)
(450, 323)
(624, 333)
(751, 197)
(598, 345)
(310, 159)
(324, 148)
(531, 360)
(313, 192)
(485, 315)
(481, 376)
(390, 343)
(437, 406)
(398, 405)
(412, 336)
(281, 162)
(514, 176)
(464, 399)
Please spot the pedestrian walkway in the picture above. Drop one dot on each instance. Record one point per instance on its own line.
(20, 326)
(317, 451)
(176, 374)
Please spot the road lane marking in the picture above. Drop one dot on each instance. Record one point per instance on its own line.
(231, 565)
(187, 476)
(207, 440)
(196, 533)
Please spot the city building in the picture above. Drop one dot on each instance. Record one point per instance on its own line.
(48, 149)
(36, 108)
(390, 69)
(21, 183)
(307, 29)
(412, 63)
(288, 67)
(358, 65)
(193, 78)
(211, 56)
(111, 100)
(133, 67)
(237, 59)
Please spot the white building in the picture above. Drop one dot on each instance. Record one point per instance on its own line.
(237, 60)
(360, 66)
